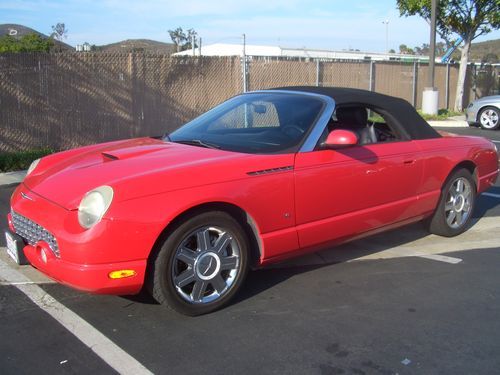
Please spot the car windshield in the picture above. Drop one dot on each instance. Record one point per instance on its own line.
(256, 123)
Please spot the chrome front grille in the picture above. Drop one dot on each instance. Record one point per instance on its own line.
(32, 232)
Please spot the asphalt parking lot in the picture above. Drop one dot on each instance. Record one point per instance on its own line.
(402, 302)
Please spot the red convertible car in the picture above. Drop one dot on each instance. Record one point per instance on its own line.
(264, 176)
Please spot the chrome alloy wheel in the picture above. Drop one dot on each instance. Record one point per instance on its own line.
(489, 119)
(206, 264)
(458, 202)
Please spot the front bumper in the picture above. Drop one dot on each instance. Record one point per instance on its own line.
(89, 278)
(471, 115)
(85, 258)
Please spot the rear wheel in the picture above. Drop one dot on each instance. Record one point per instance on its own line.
(201, 264)
(489, 118)
(456, 205)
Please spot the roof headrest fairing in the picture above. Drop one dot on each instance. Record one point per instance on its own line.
(353, 116)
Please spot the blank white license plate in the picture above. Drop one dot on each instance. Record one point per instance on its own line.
(12, 248)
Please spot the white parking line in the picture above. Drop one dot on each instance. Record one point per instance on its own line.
(491, 195)
(441, 258)
(6, 283)
(111, 353)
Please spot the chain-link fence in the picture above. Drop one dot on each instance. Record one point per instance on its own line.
(66, 100)
(401, 79)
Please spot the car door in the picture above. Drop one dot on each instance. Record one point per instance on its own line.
(346, 192)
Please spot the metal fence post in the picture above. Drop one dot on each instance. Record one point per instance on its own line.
(447, 87)
(474, 81)
(414, 85)
(372, 65)
(244, 61)
(245, 73)
(317, 72)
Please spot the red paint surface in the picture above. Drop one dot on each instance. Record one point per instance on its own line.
(329, 196)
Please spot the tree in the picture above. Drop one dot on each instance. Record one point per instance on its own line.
(28, 43)
(182, 39)
(441, 48)
(59, 32)
(9, 44)
(190, 35)
(465, 18)
(178, 37)
(405, 50)
(490, 58)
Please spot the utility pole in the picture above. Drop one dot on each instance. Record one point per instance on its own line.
(430, 97)
(386, 23)
(432, 55)
(193, 42)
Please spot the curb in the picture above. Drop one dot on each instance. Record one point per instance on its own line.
(12, 177)
(449, 124)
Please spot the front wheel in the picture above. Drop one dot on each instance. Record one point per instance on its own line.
(456, 205)
(489, 118)
(201, 264)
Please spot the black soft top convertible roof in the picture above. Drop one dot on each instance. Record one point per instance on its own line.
(403, 114)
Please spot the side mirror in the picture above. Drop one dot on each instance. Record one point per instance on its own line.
(259, 108)
(340, 138)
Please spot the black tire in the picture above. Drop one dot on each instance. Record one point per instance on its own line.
(203, 261)
(443, 222)
(489, 118)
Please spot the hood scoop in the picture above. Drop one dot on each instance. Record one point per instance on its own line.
(108, 157)
(131, 152)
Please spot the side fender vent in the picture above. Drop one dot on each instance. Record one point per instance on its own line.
(271, 170)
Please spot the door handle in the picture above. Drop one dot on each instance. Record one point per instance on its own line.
(409, 162)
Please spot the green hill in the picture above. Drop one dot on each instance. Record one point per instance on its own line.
(138, 45)
(487, 51)
(18, 31)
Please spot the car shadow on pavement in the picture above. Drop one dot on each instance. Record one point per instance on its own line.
(267, 277)
(270, 276)
(485, 203)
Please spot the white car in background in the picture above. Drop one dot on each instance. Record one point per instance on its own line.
(484, 112)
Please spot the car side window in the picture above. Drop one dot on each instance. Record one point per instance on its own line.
(371, 126)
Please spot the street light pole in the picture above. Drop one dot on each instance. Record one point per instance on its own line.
(386, 23)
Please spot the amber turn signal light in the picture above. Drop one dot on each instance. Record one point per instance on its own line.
(120, 274)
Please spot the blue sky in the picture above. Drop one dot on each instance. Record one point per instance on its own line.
(333, 24)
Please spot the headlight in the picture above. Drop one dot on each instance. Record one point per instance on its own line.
(94, 205)
(32, 166)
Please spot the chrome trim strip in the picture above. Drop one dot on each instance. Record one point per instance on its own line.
(25, 196)
(317, 129)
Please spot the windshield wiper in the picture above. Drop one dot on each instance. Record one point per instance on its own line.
(198, 142)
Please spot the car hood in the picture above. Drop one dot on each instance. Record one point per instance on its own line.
(141, 167)
(489, 99)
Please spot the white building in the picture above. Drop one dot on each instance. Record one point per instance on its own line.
(224, 49)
